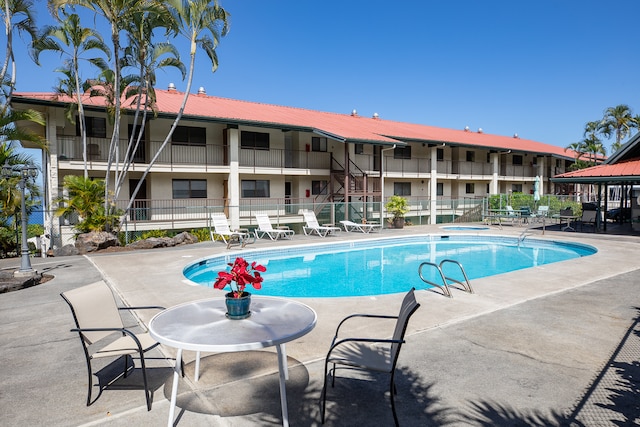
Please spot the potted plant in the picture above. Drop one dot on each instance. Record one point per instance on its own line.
(398, 206)
(242, 274)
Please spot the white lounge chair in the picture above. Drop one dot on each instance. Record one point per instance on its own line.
(363, 228)
(221, 228)
(266, 229)
(313, 227)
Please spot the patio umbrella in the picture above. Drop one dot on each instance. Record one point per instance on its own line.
(536, 189)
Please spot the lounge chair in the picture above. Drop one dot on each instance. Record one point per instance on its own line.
(363, 228)
(221, 228)
(369, 354)
(266, 229)
(313, 227)
(96, 317)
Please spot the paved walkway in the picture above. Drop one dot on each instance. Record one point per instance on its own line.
(553, 345)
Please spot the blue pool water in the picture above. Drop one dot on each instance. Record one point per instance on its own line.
(385, 266)
(464, 227)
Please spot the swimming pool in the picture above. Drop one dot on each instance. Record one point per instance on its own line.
(464, 227)
(385, 265)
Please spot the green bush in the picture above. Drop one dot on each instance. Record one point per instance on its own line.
(518, 200)
(153, 233)
(201, 233)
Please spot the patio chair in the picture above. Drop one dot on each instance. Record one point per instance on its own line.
(512, 215)
(97, 317)
(589, 218)
(221, 228)
(369, 354)
(266, 229)
(543, 212)
(313, 227)
(363, 228)
(525, 214)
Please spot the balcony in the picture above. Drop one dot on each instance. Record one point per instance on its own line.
(70, 149)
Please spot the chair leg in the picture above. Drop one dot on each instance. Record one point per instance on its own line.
(392, 392)
(90, 382)
(147, 393)
(323, 399)
(126, 365)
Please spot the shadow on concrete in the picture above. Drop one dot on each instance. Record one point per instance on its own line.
(111, 377)
(613, 399)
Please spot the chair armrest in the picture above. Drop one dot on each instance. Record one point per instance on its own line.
(374, 316)
(367, 340)
(148, 307)
(359, 315)
(124, 331)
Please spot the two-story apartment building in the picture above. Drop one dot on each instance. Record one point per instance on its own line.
(243, 157)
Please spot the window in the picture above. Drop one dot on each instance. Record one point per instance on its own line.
(402, 152)
(96, 127)
(189, 135)
(359, 149)
(471, 156)
(488, 190)
(319, 187)
(470, 188)
(318, 143)
(255, 188)
(516, 188)
(440, 154)
(488, 157)
(401, 188)
(439, 189)
(517, 160)
(189, 188)
(254, 140)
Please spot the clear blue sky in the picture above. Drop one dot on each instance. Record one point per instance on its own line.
(540, 68)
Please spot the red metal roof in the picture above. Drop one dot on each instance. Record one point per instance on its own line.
(625, 168)
(351, 128)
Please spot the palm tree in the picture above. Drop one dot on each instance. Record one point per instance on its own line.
(86, 198)
(618, 121)
(145, 56)
(203, 23)
(72, 40)
(116, 13)
(16, 14)
(593, 146)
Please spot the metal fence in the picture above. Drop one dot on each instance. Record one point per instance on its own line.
(189, 214)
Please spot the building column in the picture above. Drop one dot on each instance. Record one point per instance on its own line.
(433, 186)
(495, 162)
(541, 168)
(233, 187)
(50, 182)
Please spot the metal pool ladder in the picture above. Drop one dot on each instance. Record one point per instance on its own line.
(446, 280)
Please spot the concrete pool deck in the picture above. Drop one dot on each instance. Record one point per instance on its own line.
(552, 345)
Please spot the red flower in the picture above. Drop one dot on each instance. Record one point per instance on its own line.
(242, 274)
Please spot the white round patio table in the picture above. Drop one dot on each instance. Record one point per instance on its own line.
(202, 326)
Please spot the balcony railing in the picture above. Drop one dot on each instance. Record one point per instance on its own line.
(70, 148)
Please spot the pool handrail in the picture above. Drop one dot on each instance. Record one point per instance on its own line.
(445, 280)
